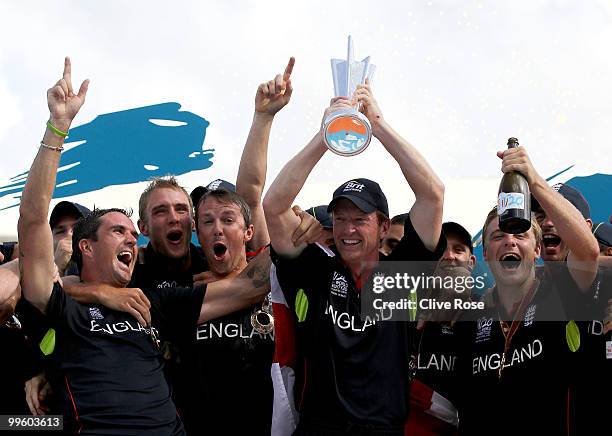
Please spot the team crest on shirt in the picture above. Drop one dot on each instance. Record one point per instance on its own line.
(483, 332)
(95, 313)
(530, 315)
(446, 329)
(339, 285)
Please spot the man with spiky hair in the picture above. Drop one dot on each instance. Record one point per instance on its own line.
(521, 351)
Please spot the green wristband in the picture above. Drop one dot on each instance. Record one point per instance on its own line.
(57, 131)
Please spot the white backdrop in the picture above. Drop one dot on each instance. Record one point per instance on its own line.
(456, 78)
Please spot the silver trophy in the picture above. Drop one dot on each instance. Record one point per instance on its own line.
(348, 132)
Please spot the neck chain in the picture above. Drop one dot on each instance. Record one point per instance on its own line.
(509, 330)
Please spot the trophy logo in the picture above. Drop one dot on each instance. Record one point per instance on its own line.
(348, 132)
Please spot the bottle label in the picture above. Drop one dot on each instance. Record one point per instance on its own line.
(510, 200)
(608, 349)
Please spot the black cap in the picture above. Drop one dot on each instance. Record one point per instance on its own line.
(603, 233)
(451, 227)
(67, 208)
(322, 215)
(199, 191)
(570, 194)
(363, 193)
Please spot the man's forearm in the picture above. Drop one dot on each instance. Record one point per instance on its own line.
(569, 222)
(292, 177)
(422, 179)
(229, 295)
(254, 161)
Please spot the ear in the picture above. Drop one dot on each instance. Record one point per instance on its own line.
(193, 227)
(538, 250)
(472, 261)
(589, 222)
(384, 229)
(86, 247)
(248, 233)
(143, 227)
(608, 251)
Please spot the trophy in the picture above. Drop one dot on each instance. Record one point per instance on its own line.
(348, 132)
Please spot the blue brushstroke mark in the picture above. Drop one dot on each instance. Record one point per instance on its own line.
(596, 189)
(117, 146)
(143, 240)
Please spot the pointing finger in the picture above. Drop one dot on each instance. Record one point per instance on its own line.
(68, 74)
(289, 68)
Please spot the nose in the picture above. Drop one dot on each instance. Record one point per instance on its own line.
(173, 215)
(448, 254)
(131, 239)
(510, 240)
(217, 228)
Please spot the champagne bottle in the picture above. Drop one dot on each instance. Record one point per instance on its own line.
(514, 200)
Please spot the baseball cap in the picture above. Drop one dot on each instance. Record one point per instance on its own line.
(199, 191)
(603, 233)
(363, 193)
(457, 229)
(570, 194)
(64, 208)
(322, 215)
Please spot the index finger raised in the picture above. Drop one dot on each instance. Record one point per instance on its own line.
(289, 68)
(68, 73)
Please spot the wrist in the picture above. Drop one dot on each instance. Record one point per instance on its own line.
(379, 126)
(60, 124)
(263, 117)
(537, 185)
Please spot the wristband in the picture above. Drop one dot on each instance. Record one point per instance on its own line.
(57, 131)
(59, 148)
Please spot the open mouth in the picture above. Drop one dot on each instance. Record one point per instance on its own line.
(219, 250)
(551, 241)
(174, 236)
(350, 242)
(125, 257)
(510, 261)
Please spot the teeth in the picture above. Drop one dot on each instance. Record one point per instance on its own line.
(125, 257)
(350, 241)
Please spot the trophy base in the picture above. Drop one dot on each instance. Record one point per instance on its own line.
(347, 132)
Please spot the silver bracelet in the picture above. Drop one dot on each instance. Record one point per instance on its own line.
(52, 147)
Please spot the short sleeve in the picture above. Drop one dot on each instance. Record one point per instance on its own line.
(300, 278)
(411, 246)
(59, 303)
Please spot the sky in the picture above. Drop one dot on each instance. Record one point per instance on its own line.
(454, 78)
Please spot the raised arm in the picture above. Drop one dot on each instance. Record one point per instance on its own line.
(280, 218)
(247, 288)
(35, 240)
(582, 260)
(271, 97)
(426, 213)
